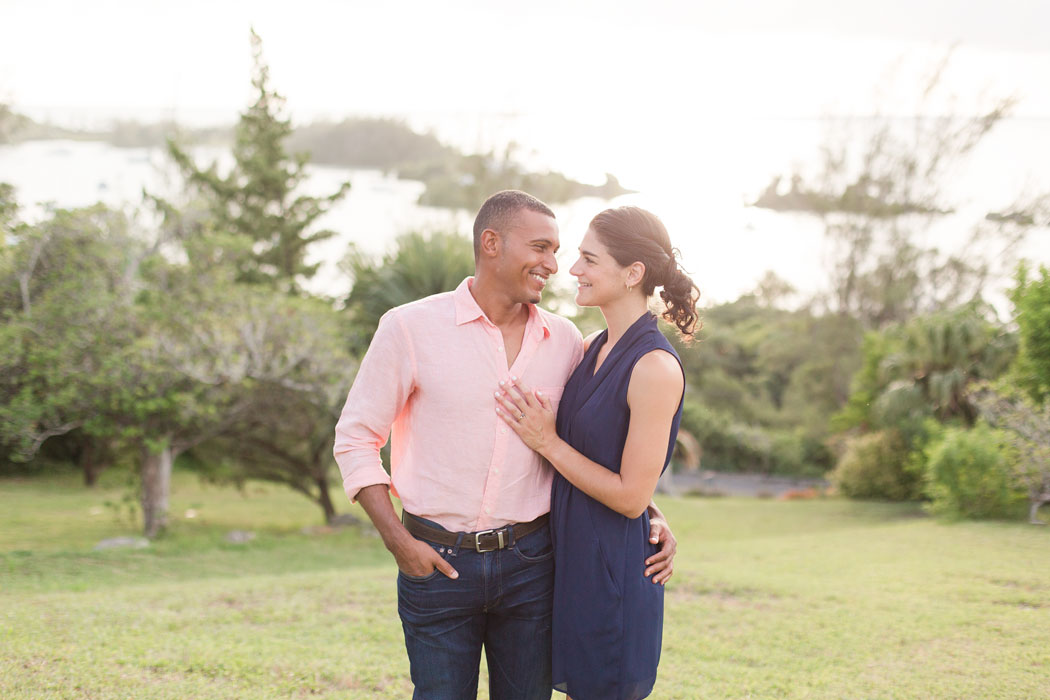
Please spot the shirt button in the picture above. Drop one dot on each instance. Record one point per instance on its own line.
(503, 431)
(488, 511)
(496, 470)
(500, 348)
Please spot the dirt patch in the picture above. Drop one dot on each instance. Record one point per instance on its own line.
(729, 596)
(709, 483)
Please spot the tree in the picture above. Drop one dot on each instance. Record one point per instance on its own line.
(1027, 426)
(212, 374)
(157, 346)
(110, 343)
(939, 357)
(877, 194)
(763, 382)
(257, 199)
(67, 287)
(286, 436)
(1031, 299)
(924, 369)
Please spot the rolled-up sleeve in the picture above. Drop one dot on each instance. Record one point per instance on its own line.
(380, 391)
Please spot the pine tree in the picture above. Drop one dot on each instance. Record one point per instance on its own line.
(256, 200)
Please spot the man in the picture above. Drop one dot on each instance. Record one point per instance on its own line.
(473, 548)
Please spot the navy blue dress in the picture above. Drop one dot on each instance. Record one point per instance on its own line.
(608, 618)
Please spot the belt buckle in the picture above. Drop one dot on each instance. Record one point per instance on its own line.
(477, 540)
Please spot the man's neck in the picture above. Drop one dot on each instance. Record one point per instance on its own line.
(497, 305)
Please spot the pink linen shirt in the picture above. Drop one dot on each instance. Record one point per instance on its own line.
(428, 381)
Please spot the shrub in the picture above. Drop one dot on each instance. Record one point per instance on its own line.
(875, 465)
(968, 474)
(732, 445)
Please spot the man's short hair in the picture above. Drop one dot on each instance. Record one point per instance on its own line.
(498, 210)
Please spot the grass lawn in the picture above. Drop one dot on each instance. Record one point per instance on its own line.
(817, 599)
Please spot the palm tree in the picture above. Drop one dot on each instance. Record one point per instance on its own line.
(939, 356)
(418, 267)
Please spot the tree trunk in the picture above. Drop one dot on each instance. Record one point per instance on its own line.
(156, 486)
(1033, 510)
(324, 499)
(88, 461)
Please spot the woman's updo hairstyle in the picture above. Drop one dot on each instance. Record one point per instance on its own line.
(634, 235)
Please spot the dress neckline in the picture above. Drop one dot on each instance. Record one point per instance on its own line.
(625, 340)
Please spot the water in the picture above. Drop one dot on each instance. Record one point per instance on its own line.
(696, 171)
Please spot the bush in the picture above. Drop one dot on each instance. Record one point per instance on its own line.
(875, 465)
(735, 446)
(968, 474)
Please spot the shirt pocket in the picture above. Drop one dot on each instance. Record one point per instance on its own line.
(553, 393)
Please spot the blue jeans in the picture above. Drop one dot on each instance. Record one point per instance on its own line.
(502, 602)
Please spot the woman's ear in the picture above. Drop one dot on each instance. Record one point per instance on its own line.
(635, 274)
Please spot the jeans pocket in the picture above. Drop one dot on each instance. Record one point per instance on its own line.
(420, 579)
(534, 547)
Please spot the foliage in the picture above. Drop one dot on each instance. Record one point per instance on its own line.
(867, 384)
(1031, 299)
(286, 436)
(154, 348)
(763, 382)
(417, 267)
(969, 474)
(1027, 430)
(68, 285)
(875, 465)
(115, 347)
(939, 356)
(923, 368)
(256, 200)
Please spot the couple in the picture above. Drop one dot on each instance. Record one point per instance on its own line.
(556, 573)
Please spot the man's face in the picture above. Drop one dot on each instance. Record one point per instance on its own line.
(527, 248)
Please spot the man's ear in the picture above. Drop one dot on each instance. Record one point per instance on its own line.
(490, 244)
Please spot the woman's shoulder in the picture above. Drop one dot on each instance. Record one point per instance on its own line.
(658, 365)
(656, 376)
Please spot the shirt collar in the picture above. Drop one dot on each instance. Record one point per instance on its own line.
(467, 308)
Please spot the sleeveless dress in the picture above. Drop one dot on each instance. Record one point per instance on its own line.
(608, 618)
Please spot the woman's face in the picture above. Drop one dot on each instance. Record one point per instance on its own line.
(600, 277)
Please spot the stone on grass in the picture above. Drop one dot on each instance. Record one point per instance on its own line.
(345, 520)
(339, 522)
(122, 543)
(240, 536)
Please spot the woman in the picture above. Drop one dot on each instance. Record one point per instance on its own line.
(612, 438)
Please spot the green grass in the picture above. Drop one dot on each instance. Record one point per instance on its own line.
(819, 599)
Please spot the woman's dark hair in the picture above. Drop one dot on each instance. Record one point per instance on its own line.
(635, 235)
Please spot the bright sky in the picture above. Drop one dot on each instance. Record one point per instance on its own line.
(693, 102)
(88, 62)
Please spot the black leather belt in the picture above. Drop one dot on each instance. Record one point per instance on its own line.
(483, 541)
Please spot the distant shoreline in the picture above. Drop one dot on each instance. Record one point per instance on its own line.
(453, 179)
